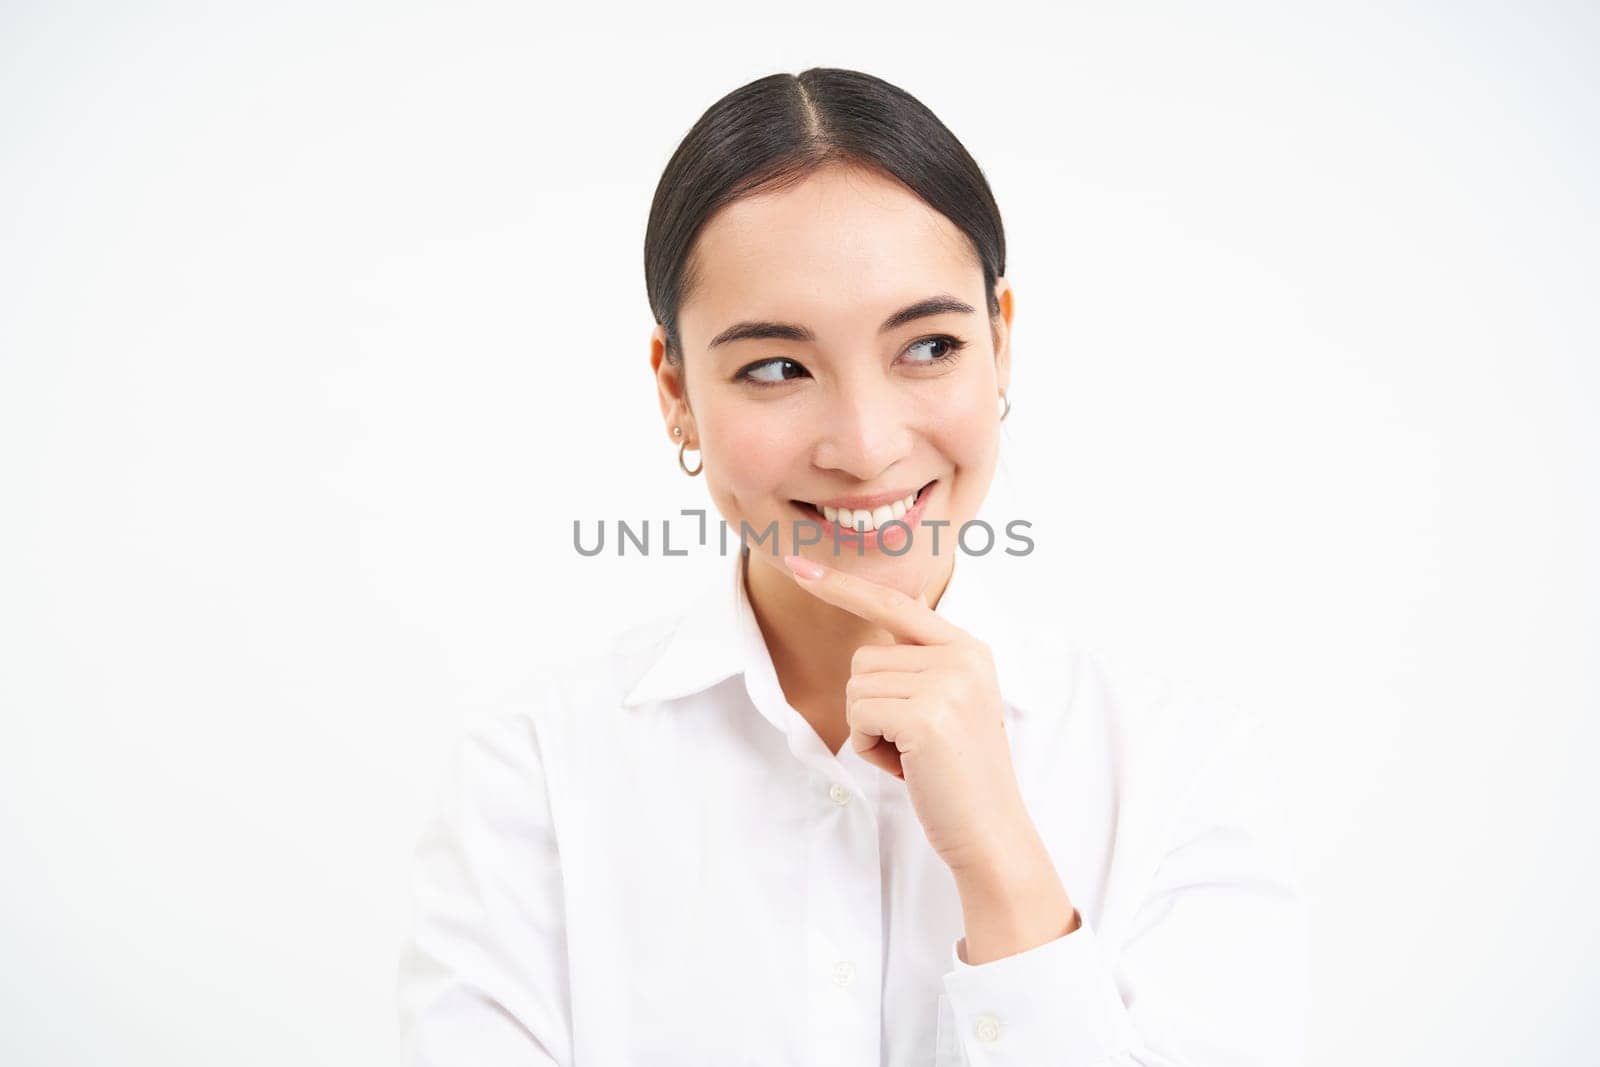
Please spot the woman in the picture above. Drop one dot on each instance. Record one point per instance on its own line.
(848, 807)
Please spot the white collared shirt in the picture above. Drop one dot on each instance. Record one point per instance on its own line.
(654, 859)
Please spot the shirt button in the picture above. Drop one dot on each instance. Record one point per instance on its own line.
(987, 1028)
(840, 795)
(843, 972)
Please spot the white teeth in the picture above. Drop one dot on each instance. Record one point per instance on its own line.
(862, 521)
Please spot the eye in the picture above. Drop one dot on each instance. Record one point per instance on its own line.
(952, 345)
(748, 374)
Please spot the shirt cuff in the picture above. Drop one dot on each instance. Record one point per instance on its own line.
(1056, 1004)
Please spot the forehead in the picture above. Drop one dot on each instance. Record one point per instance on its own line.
(834, 251)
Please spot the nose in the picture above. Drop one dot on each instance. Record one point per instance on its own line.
(865, 430)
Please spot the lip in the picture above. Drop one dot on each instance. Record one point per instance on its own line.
(865, 503)
(849, 536)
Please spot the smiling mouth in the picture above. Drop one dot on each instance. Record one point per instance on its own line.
(858, 518)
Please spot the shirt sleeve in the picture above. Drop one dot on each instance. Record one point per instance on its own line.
(1212, 972)
(483, 977)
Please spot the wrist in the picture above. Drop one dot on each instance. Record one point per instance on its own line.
(1011, 903)
(1010, 923)
(1012, 854)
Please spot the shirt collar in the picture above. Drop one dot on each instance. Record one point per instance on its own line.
(717, 636)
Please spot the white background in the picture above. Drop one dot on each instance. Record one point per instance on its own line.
(321, 326)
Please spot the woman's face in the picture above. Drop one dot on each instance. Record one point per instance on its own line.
(831, 399)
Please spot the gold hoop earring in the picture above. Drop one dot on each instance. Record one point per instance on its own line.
(700, 466)
(1007, 411)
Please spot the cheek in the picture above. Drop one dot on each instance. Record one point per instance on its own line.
(970, 441)
(971, 447)
(752, 459)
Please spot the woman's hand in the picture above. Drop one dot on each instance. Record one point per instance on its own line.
(926, 708)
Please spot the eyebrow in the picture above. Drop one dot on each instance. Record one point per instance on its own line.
(943, 304)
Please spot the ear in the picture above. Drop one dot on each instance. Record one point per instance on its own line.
(672, 389)
(1002, 335)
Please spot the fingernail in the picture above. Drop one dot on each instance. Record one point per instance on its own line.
(803, 567)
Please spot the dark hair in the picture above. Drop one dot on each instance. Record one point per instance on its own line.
(774, 131)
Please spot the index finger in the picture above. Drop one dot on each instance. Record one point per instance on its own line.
(906, 618)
